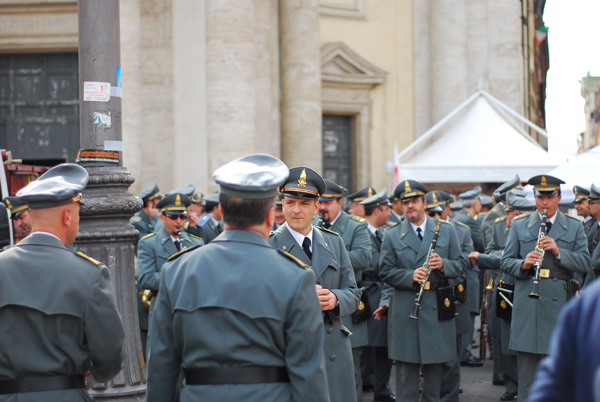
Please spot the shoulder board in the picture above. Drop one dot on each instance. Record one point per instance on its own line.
(358, 218)
(177, 254)
(194, 236)
(459, 223)
(149, 235)
(327, 230)
(578, 219)
(291, 257)
(204, 219)
(520, 217)
(501, 219)
(136, 218)
(86, 257)
(391, 226)
(496, 208)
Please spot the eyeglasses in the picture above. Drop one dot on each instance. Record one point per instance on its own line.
(175, 217)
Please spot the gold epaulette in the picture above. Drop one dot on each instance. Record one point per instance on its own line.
(500, 219)
(87, 257)
(496, 208)
(328, 231)
(195, 237)
(185, 250)
(358, 218)
(391, 226)
(136, 218)
(577, 218)
(459, 223)
(520, 217)
(149, 235)
(291, 257)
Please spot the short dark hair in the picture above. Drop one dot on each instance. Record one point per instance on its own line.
(369, 209)
(244, 212)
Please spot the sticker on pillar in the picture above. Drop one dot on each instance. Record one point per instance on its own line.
(96, 91)
(97, 156)
(101, 120)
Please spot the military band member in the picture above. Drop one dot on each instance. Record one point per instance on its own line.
(583, 207)
(430, 340)
(375, 364)
(565, 256)
(355, 199)
(279, 215)
(211, 224)
(397, 215)
(471, 206)
(353, 231)
(155, 249)
(594, 234)
(20, 217)
(58, 313)
(497, 211)
(324, 251)
(241, 318)
(145, 220)
(195, 212)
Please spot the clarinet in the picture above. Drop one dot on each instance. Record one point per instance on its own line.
(415, 312)
(536, 279)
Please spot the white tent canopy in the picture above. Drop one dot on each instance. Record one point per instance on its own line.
(480, 141)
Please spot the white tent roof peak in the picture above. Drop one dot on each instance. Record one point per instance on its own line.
(482, 140)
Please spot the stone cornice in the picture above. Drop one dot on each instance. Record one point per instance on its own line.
(342, 65)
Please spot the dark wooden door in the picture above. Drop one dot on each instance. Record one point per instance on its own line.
(39, 107)
(337, 131)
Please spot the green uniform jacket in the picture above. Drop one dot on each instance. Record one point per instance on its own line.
(426, 340)
(237, 302)
(377, 330)
(533, 320)
(488, 221)
(463, 319)
(333, 271)
(153, 251)
(464, 217)
(353, 231)
(144, 224)
(58, 316)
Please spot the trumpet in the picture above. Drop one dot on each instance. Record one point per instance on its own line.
(536, 279)
(146, 298)
(415, 312)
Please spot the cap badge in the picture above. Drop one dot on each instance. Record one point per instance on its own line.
(178, 201)
(8, 204)
(435, 201)
(544, 182)
(575, 191)
(370, 193)
(407, 188)
(302, 179)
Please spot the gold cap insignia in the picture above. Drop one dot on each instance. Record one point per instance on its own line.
(302, 179)
(447, 302)
(178, 201)
(544, 182)
(407, 188)
(435, 201)
(8, 204)
(575, 191)
(370, 193)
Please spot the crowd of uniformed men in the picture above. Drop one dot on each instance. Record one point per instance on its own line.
(271, 291)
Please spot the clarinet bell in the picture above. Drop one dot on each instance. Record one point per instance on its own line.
(415, 313)
(534, 290)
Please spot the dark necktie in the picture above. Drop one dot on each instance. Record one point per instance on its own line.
(378, 235)
(548, 226)
(218, 228)
(177, 244)
(306, 248)
(326, 225)
(419, 235)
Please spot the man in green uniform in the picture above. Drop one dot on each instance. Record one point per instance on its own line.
(58, 313)
(156, 248)
(594, 234)
(20, 217)
(497, 211)
(211, 224)
(397, 215)
(324, 251)
(582, 206)
(430, 340)
(145, 220)
(353, 231)
(356, 198)
(565, 255)
(241, 318)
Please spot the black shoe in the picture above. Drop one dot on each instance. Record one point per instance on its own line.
(498, 382)
(368, 388)
(472, 362)
(508, 396)
(386, 398)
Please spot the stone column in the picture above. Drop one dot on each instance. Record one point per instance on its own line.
(301, 113)
(105, 232)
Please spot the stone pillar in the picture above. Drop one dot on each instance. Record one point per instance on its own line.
(422, 84)
(301, 113)
(105, 232)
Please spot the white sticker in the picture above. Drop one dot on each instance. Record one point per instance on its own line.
(101, 120)
(96, 91)
(113, 146)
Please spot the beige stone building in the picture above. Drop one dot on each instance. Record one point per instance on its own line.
(332, 84)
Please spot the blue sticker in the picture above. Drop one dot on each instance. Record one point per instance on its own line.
(118, 76)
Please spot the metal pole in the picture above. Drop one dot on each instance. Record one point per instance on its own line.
(107, 205)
